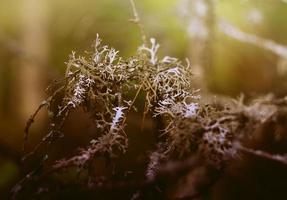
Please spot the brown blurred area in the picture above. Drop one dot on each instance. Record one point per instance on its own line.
(36, 38)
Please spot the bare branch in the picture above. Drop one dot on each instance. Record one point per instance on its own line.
(267, 44)
(263, 154)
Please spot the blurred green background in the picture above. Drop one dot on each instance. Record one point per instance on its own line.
(36, 37)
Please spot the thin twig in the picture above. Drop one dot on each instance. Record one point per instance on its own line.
(56, 131)
(133, 101)
(263, 154)
(29, 124)
(137, 21)
(137, 93)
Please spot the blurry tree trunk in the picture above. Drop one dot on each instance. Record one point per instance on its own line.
(201, 31)
(35, 45)
(5, 83)
(1, 90)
